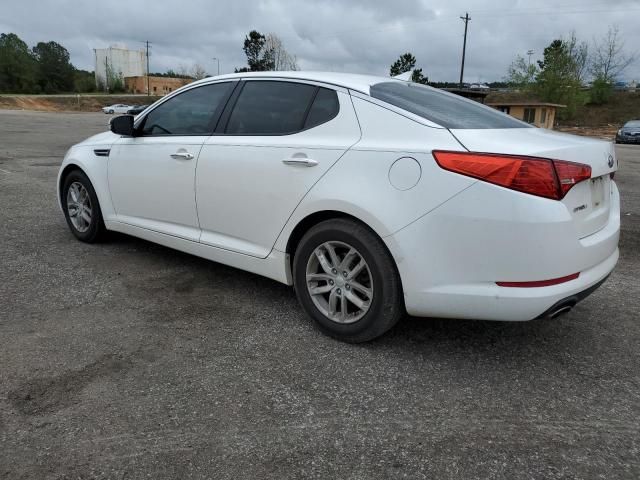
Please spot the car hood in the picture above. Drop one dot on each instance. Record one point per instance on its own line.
(630, 129)
(104, 138)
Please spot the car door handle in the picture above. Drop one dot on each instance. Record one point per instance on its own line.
(182, 156)
(300, 161)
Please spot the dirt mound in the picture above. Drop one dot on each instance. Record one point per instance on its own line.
(70, 103)
(605, 132)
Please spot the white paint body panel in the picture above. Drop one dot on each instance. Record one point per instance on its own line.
(452, 237)
(245, 192)
(450, 259)
(150, 189)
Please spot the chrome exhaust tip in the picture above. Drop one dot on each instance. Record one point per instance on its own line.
(562, 309)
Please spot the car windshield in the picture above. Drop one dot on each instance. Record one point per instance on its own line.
(445, 109)
(633, 124)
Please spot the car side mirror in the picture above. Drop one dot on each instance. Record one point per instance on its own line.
(122, 125)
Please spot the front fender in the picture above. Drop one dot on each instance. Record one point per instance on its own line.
(95, 168)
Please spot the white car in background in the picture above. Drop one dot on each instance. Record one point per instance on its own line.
(117, 108)
(371, 196)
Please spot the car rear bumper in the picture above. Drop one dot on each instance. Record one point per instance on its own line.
(450, 260)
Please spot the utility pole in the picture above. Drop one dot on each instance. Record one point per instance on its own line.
(530, 52)
(466, 19)
(148, 90)
(217, 60)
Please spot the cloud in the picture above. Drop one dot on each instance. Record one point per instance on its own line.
(356, 35)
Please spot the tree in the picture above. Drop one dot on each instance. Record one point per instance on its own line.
(579, 54)
(84, 81)
(54, 72)
(259, 58)
(559, 78)
(522, 74)
(607, 63)
(608, 60)
(115, 80)
(17, 65)
(282, 59)
(405, 62)
(418, 77)
(198, 72)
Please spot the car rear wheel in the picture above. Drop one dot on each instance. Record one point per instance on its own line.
(81, 208)
(346, 281)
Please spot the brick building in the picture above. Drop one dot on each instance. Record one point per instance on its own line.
(157, 85)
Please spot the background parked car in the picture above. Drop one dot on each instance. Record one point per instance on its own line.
(629, 133)
(117, 108)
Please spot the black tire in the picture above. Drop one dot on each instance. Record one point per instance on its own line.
(96, 230)
(387, 305)
(111, 112)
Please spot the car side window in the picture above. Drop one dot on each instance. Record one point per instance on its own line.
(325, 107)
(270, 108)
(189, 113)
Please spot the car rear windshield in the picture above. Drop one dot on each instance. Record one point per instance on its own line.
(445, 109)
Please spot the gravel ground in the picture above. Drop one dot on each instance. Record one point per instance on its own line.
(130, 360)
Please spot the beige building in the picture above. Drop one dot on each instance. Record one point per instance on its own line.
(157, 85)
(540, 114)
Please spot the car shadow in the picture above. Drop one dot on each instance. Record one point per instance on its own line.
(411, 334)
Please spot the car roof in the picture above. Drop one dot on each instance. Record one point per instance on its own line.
(353, 81)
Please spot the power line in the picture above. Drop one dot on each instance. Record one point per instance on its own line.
(546, 8)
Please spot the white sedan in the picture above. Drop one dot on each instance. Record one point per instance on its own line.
(117, 108)
(371, 196)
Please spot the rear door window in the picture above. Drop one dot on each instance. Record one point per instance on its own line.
(270, 108)
(443, 108)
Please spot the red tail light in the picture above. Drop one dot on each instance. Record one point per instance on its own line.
(537, 176)
(570, 173)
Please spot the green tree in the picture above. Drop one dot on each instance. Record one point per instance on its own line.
(84, 81)
(601, 91)
(115, 81)
(404, 63)
(259, 56)
(17, 65)
(418, 77)
(407, 62)
(521, 74)
(54, 72)
(559, 78)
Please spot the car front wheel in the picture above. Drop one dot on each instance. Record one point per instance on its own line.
(81, 208)
(347, 281)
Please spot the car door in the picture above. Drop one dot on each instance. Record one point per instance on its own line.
(152, 174)
(273, 143)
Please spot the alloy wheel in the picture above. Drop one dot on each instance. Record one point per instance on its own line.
(339, 282)
(79, 207)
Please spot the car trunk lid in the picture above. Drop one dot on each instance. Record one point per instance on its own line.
(589, 201)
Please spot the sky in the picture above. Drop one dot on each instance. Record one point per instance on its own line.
(361, 36)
